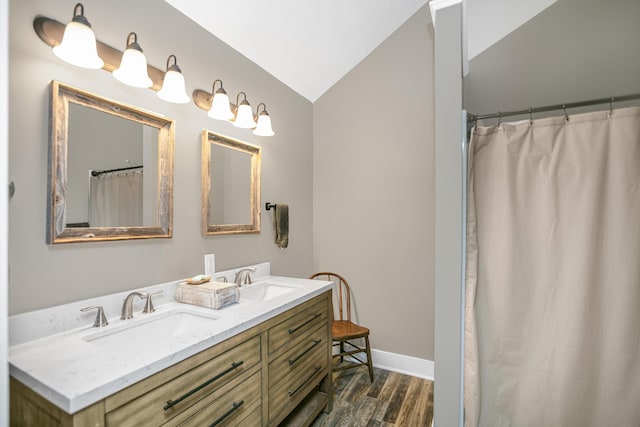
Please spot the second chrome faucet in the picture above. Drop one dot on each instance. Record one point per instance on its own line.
(127, 305)
(243, 276)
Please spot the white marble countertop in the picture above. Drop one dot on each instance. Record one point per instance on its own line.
(73, 373)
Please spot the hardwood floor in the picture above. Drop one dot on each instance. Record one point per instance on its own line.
(392, 400)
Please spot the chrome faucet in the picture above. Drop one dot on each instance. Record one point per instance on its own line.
(127, 306)
(243, 276)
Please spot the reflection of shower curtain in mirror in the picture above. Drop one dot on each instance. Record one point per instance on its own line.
(552, 318)
(115, 199)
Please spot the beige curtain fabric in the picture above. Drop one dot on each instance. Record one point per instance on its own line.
(115, 199)
(552, 326)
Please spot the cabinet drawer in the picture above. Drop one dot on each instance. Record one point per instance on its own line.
(295, 357)
(235, 407)
(172, 398)
(286, 395)
(297, 325)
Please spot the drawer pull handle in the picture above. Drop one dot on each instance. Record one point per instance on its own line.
(234, 407)
(315, 343)
(314, 317)
(297, 389)
(171, 403)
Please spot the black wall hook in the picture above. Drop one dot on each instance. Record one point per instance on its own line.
(268, 206)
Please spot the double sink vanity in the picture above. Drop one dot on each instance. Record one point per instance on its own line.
(263, 361)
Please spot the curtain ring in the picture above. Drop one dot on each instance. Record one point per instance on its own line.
(530, 117)
(611, 106)
(566, 115)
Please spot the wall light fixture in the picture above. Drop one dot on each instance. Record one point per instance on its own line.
(243, 114)
(51, 32)
(173, 87)
(264, 122)
(78, 45)
(133, 67)
(220, 106)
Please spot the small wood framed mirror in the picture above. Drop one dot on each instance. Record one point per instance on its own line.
(110, 169)
(230, 185)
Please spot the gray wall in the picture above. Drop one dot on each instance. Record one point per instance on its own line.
(574, 50)
(374, 188)
(43, 275)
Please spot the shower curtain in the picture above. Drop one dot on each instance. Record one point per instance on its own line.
(115, 199)
(552, 316)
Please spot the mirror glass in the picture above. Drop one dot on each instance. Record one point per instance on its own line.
(230, 185)
(111, 170)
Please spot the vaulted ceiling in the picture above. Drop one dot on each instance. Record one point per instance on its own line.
(310, 45)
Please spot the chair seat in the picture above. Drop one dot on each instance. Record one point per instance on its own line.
(346, 330)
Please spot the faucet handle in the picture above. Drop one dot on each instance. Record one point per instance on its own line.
(101, 319)
(148, 306)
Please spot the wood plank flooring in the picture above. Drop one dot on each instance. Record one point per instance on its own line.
(391, 400)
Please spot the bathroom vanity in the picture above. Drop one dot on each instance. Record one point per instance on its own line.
(265, 361)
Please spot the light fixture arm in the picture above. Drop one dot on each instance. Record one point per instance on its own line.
(133, 44)
(79, 16)
(213, 88)
(244, 100)
(174, 66)
(264, 109)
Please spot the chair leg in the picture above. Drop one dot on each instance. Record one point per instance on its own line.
(341, 351)
(369, 361)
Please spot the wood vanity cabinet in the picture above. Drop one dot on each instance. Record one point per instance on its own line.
(276, 373)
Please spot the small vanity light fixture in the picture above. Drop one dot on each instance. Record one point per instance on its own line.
(244, 114)
(264, 122)
(173, 87)
(133, 67)
(220, 108)
(78, 46)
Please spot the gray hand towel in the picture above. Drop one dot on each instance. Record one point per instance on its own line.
(281, 225)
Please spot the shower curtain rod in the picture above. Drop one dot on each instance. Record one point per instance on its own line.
(98, 173)
(473, 118)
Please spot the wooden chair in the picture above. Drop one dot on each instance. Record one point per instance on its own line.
(344, 330)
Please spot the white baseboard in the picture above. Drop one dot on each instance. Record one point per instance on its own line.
(408, 365)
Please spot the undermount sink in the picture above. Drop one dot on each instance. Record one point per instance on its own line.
(265, 291)
(156, 333)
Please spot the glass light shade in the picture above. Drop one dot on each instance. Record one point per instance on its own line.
(133, 69)
(78, 46)
(244, 116)
(220, 109)
(173, 88)
(264, 126)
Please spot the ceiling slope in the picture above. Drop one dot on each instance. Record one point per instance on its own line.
(308, 45)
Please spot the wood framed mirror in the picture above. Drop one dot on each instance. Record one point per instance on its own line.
(230, 185)
(110, 169)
